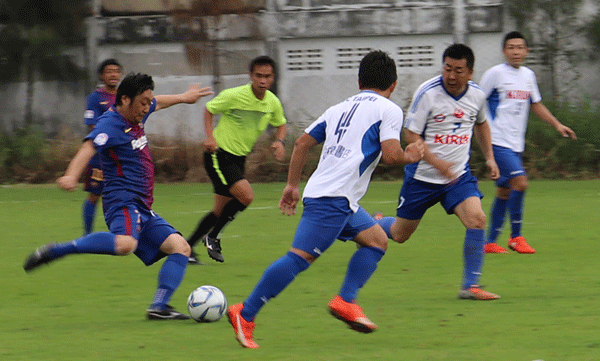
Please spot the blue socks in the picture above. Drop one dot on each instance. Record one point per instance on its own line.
(473, 257)
(95, 243)
(497, 215)
(275, 278)
(515, 208)
(386, 224)
(360, 268)
(169, 278)
(89, 214)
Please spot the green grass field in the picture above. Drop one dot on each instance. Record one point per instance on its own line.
(89, 307)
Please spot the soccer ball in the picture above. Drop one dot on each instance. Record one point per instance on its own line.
(207, 304)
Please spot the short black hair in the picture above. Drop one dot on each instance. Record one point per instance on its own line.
(133, 85)
(106, 63)
(377, 71)
(262, 60)
(513, 35)
(460, 51)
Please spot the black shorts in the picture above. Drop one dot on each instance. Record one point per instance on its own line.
(224, 170)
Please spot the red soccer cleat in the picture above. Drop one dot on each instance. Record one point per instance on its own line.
(243, 329)
(519, 244)
(494, 248)
(352, 314)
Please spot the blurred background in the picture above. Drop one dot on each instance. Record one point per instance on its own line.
(50, 50)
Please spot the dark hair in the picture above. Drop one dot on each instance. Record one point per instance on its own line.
(513, 35)
(262, 60)
(106, 63)
(133, 85)
(460, 51)
(376, 71)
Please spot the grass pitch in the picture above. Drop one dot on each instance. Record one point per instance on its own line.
(90, 307)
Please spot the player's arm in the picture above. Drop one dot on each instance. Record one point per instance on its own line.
(544, 114)
(392, 153)
(278, 145)
(190, 96)
(484, 139)
(444, 167)
(68, 181)
(291, 193)
(210, 143)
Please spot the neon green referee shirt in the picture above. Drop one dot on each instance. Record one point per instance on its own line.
(243, 117)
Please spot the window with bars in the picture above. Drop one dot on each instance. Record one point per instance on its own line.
(412, 56)
(304, 59)
(349, 58)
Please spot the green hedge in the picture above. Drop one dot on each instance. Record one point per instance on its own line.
(28, 156)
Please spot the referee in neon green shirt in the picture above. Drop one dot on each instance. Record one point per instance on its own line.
(246, 111)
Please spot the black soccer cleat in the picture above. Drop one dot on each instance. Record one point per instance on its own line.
(193, 259)
(213, 247)
(39, 257)
(166, 313)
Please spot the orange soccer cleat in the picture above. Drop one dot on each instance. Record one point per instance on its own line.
(519, 244)
(494, 248)
(243, 329)
(352, 314)
(475, 292)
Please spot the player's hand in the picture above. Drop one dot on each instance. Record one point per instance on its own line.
(445, 168)
(194, 93)
(67, 183)
(566, 132)
(494, 170)
(289, 200)
(210, 145)
(415, 151)
(278, 150)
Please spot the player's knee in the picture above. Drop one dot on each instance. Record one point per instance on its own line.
(400, 237)
(477, 221)
(246, 199)
(183, 248)
(521, 186)
(125, 245)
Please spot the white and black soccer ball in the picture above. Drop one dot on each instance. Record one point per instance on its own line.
(207, 304)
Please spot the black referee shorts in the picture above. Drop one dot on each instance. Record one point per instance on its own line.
(224, 169)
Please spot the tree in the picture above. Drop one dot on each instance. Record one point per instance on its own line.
(31, 37)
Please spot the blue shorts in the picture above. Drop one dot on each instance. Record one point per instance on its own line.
(510, 164)
(148, 228)
(94, 181)
(326, 219)
(416, 197)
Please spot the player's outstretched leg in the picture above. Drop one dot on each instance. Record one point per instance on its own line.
(39, 257)
(95, 243)
(243, 329)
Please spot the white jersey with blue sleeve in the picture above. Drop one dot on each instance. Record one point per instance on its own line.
(509, 91)
(446, 124)
(351, 133)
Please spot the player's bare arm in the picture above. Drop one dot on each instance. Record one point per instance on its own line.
(392, 152)
(444, 167)
(278, 145)
(291, 193)
(484, 139)
(68, 182)
(190, 96)
(210, 143)
(544, 114)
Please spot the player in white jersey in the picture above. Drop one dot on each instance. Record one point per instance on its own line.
(445, 112)
(355, 135)
(511, 90)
